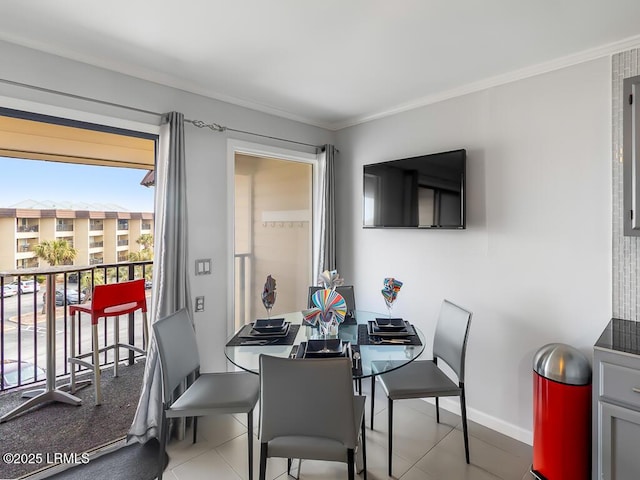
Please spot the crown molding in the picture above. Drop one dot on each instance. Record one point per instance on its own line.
(531, 71)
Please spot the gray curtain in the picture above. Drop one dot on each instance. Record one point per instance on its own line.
(170, 277)
(325, 254)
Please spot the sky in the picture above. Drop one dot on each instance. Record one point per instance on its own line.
(63, 182)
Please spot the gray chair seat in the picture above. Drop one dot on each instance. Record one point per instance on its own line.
(419, 379)
(217, 393)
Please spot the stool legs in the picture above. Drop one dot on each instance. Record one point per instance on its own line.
(96, 362)
(116, 343)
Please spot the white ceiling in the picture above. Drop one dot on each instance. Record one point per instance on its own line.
(330, 63)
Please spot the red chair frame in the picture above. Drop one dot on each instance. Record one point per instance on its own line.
(109, 300)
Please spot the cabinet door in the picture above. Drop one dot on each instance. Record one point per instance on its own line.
(619, 441)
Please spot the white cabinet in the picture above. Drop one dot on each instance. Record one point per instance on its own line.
(616, 412)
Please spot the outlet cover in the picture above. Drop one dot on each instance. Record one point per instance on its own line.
(199, 304)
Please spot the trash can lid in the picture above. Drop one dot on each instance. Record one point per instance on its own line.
(562, 363)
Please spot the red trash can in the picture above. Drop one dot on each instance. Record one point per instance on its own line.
(561, 414)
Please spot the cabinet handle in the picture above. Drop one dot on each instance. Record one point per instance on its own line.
(636, 389)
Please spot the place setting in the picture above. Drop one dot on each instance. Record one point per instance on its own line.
(266, 331)
(388, 330)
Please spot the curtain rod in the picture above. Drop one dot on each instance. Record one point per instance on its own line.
(198, 123)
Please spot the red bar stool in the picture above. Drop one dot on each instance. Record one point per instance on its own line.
(111, 300)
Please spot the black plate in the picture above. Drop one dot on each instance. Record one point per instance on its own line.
(332, 347)
(265, 325)
(250, 332)
(406, 332)
(387, 323)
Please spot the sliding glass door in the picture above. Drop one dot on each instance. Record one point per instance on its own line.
(272, 233)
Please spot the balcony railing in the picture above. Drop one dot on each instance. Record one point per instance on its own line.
(64, 228)
(23, 324)
(96, 227)
(123, 243)
(96, 244)
(27, 228)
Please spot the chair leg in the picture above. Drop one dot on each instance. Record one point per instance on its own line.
(350, 463)
(263, 460)
(195, 429)
(96, 363)
(437, 410)
(364, 448)
(289, 461)
(72, 380)
(163, 441)
(250, 440)
(465, 431)
(145, 331)
(373, 397)
(390, 408)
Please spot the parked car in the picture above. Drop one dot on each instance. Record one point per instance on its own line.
(9, 290)
(27, 373)
(73, 297)
(27, 286)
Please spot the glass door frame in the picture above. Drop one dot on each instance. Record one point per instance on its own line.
(234, 147)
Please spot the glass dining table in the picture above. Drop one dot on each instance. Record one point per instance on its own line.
(390, 350)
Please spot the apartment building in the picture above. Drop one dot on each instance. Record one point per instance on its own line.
(100, 236)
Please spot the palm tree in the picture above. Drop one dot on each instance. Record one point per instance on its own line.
(146, 252)
(55, 252)
(145, 240)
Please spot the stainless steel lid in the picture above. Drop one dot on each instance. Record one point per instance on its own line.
(562, 363)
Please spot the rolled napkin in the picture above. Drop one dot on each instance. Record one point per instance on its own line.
(269, 293)
(330, 279)
(391, 288)
(329, 306)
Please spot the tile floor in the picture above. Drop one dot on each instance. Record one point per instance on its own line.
(423, 450)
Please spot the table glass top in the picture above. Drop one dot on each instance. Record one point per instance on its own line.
(388, 356)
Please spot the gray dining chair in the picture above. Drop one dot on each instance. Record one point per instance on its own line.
(424, 379)
(308, 411)
(209, 394)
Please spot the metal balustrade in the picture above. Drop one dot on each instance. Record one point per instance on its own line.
(23, 325)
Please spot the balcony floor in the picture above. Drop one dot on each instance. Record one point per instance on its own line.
(61, 428)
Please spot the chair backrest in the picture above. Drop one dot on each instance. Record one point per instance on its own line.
(308, 397)
(118, 294)
(177, 348)
(450, 339)
(346, 291)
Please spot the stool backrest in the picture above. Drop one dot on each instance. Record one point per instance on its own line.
(118, 294)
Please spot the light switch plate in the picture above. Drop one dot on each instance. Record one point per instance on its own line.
(203, 266)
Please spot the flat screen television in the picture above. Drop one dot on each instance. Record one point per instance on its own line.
(427, 191)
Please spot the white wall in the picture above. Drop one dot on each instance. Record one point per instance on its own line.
(534, 264)
(206, 153)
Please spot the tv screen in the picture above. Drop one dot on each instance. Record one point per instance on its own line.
(417, 192)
